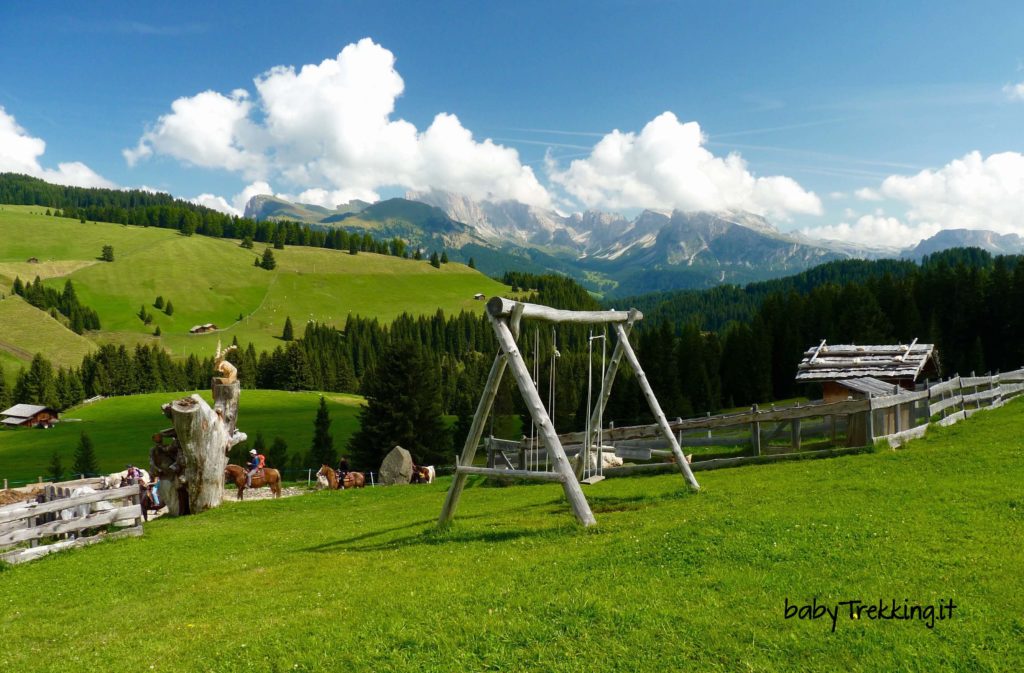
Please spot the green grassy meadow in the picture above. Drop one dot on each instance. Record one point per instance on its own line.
(214, 281)
(26, 331)
(669, 580)
(121, 427)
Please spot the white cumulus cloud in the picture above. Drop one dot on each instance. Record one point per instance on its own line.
(328, 131)
(20, 153)
(1014, 91)
(972, 192)
(875, 231)
(666, 165)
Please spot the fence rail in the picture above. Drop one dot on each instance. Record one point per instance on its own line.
(62, 515)
(857, 423)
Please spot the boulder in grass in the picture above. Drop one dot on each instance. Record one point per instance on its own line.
(396, 468)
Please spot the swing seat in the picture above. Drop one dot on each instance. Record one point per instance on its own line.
(592, 479)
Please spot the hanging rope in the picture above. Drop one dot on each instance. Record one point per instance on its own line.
(552, 388)
(533, 424)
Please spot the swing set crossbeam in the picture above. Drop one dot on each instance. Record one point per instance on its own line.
(499, 307)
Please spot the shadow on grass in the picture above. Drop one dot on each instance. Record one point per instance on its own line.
(429, 534)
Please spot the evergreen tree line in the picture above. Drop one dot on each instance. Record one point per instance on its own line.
(79, 317)
(426, 367)
(966, 302)
(146, 209)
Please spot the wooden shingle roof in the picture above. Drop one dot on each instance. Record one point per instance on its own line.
(826, 362)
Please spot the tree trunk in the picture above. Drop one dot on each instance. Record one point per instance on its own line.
(204, 436)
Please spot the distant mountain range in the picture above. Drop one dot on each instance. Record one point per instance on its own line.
(656, 250)
(997, 244)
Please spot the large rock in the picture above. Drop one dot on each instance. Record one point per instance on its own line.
(396, 468)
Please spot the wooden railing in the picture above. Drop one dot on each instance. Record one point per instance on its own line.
(30, 530)
(778, 433)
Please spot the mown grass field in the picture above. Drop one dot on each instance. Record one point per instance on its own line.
(214, 281)
(121, 427)
(668, 581)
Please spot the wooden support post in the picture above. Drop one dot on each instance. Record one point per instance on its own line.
(795, 433)
(755, 431)
(560, 462)
(870, 422)
(476, 430)
(652, 401)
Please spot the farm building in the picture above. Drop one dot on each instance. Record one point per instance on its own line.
(29, 416)
(902, 365)
(203, 329)
(857, 372)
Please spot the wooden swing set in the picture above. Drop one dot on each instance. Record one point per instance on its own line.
(505, 316)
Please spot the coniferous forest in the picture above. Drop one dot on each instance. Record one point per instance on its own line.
(700, 353)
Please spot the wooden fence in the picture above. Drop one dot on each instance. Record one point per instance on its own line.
(59, 520)
(760, 435)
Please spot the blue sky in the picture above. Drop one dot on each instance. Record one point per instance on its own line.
(915, 104)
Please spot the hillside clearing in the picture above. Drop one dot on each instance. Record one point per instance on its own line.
(668, 581)
(25, 330)
(211, 280)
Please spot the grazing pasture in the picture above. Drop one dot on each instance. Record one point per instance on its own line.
(121, 427)
(668, 580)
(25, 331)
(211, 280)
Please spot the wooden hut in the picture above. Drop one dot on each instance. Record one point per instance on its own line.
(857, 372)
(29, 416)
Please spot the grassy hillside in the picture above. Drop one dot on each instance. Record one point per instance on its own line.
(214, 280)
(120, 428)
(25, 330)
(669, 581)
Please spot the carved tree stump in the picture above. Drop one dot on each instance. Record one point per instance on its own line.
(204, 436)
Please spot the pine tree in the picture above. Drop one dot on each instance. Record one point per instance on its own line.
(444, 256)
(322, 452)
(353, 246)
(277, 455)
(169, 308)
(257, 263)
(471, 263)
(418, 255)
(435, 261)
(288, 334)
(85, 457)
(107, 255)
(268, 263)
(5, 393)
(157, 331)
(403, 407)
(247, 243)
(56, 468)
(159, 303)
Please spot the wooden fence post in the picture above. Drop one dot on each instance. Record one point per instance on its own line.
(795, 433)
(755, 431)
(870, 422)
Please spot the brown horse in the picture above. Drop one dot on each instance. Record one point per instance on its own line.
(351, 479)
(266, 477)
